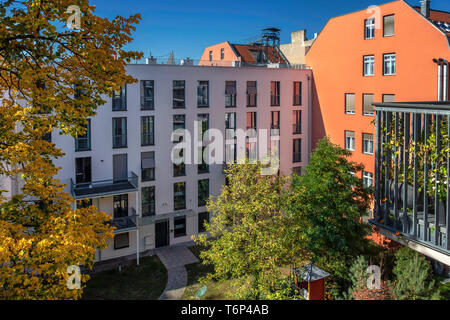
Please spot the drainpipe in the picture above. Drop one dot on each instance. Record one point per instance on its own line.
(439, 92)
(442, 87)
(309, 117)
(445, 82)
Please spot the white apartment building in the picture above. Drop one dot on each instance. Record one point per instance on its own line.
(123, 164)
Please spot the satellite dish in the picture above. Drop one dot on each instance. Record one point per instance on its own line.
(201, 292)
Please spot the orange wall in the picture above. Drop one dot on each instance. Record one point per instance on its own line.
(229, 55)
(336, 58)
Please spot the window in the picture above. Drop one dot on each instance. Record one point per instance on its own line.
(368, 104)
(179, 123)
(203, 218)
(119, 132)
(178, 94)
(388, 26)
(297, 171)
(148, 201)
(389, 64)
(275, 123)
(230, 125)
(297, 121)
(388, 97)
(120, 206)
(369, 32)
(148, 131)
(179, 170)
(230, 94)
(252, 94)
(297, 93)
(369, 65)
(251, 151)
(83, 143)
(203, 192)
(204, 166)
(179, 196)
(147, 95)
(83, 204)
(203, 94)
(47, 137)
(119, 100)
(251, 120)
(204, 119)
(230, 153)
(367, 143)
(275, 93)
(83, 173)
(297, 150)
(350, 103)
(350, 140)
(148, 166)
(368, 179)
(210, 56)
(121, 241)
(222, 54)
(179, 224)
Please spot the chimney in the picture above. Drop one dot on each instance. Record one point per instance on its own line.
(425, 8)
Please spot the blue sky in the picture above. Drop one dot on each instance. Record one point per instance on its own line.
(186, 27)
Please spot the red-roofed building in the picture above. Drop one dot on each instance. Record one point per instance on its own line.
(227, 54)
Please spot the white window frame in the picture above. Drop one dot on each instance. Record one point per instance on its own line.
(368, 146)
(350, 141)
(389, 64)
(369, 66)
(369, 29)
(368, 177)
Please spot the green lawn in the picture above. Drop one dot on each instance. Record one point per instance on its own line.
(144, 282)
(215, 291)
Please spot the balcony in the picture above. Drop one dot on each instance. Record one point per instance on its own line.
(412, 198)
(104, 188)
(124, 224)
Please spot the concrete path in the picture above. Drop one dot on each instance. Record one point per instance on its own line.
(174, 260)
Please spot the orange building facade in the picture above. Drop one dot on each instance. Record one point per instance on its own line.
(384, 53)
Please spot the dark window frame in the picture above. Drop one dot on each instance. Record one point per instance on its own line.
(275, 97)
(178, 95)
(145, 104)
(182, 200)
(183, 233)
(116, 247)
(125, 134)
(87, 137)
(148, 135)
(298, 96)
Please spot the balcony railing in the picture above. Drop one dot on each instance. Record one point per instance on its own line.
(105, 187)
(412, 152)
(125, 223)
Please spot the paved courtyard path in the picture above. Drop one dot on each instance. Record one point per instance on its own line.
(174, 260)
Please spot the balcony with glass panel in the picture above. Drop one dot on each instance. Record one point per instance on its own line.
(104, 188)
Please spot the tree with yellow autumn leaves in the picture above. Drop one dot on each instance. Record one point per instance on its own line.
(51, 78)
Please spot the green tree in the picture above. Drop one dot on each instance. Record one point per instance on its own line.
(51, 80)
(413, 276)
(331, 201)
(251, 236)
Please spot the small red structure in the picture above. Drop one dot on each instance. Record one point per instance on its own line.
(310, 281)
